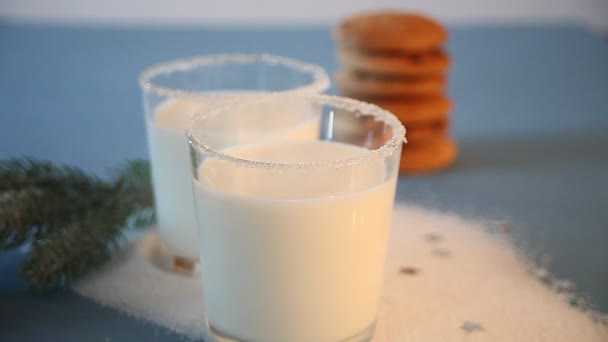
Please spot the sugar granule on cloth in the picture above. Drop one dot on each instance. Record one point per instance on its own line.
(446, 279)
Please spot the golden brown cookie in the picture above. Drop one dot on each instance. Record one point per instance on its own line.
(361, 84)
(417, 109)
(425, 131)
(428, 157)
(431, 62)
(392, 31)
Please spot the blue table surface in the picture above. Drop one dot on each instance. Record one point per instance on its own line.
(531, 116)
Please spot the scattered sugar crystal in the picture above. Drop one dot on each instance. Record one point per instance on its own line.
(541, 273)
(432, 237)
(441, 252)
(563, 285)
(470, 327)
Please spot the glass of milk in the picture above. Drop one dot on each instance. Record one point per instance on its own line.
(174, 91)
(293, 233)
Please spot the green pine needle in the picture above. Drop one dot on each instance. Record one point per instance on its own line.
(72, 221)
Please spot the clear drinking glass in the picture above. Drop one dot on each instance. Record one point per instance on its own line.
(172, 93)
(293, 232)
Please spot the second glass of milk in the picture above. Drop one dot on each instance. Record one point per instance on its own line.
(294, 234)
(173, 92)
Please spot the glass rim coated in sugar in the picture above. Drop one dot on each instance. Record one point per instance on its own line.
(356, 106)
(319, 79)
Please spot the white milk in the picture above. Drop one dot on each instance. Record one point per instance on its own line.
(293, 256)
(171, 168)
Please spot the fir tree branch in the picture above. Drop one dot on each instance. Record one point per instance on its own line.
(36, 197)
(73, 221)
(56, 260)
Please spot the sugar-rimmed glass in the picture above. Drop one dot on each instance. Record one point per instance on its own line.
(172, 93)
(294, 232)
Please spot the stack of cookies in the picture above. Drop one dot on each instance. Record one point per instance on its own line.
(397, 61)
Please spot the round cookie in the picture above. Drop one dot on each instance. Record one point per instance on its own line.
(355, 84)
(415, 110)
(423, 132)
(391, 30)
(423, 63)
(428, 157)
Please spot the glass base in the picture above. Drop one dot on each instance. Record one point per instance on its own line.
(184, 266)
(162, 258)
(364, 336)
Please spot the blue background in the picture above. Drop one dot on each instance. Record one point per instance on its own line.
(531, 116)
